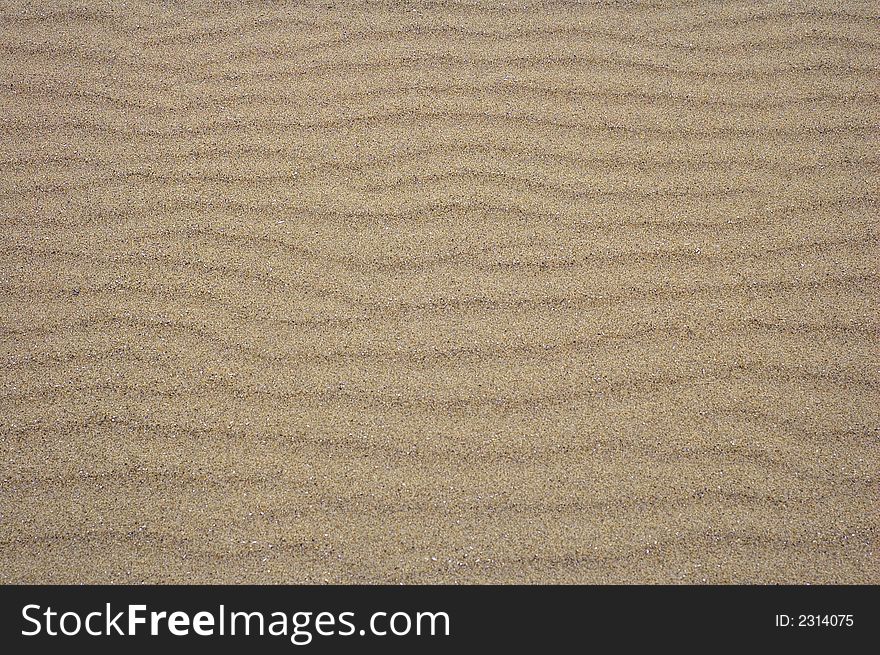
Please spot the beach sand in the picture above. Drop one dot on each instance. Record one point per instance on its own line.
(439, 292)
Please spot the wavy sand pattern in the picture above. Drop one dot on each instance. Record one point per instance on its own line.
(439, 292)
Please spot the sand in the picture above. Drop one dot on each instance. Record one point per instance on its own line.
(439, 292)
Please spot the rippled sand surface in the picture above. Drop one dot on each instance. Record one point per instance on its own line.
(439, 292)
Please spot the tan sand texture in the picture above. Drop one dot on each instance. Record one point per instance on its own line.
(439, 292)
